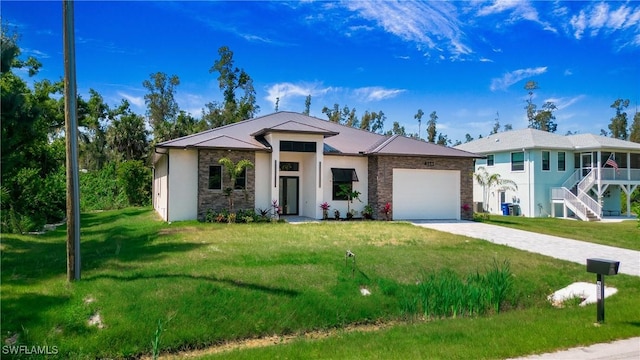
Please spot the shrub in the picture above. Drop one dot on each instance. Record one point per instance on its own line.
(134, 179)
(31, 200)
(445, 294)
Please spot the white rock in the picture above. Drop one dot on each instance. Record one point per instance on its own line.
(583, 290)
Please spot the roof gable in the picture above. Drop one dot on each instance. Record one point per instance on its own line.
(400, 145)
(295, 127)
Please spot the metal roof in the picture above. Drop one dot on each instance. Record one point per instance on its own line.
(339, 139)
(537, 139)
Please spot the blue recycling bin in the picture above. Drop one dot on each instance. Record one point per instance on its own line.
(505, 208)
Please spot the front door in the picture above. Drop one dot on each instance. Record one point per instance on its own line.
(587, 163)
(289, 195)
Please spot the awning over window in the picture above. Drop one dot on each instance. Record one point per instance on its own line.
(344, 175)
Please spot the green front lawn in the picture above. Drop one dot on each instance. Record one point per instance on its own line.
(208, 284)
(625, 234)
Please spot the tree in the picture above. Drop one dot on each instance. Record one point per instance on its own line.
(32, 175)
(307, 105)
(443, 140)
(496, 125)
(162, 107)
(186, 125)
(397, 130)
(618, 125)
(237, 88)
(372, 121)
(234, 170)
(333, 114)
(468, 138)
(489, 181)
(418, 116)
(431, 127)
(634, 133)
(347, 191)
(540, 119)
(350, 117)
(94, 118)
(127, 135)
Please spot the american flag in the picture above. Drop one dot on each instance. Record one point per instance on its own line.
(611, 161)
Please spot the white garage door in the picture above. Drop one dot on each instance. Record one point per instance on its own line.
(426, 194)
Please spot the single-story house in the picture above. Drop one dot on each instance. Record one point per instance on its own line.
(579, 175)
(300, 162)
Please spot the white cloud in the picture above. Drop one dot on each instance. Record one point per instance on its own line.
(429, 25)
(579, 23)
(286, 91)
(517, 10)
(513, 77)
(600, 19)
(376, 93)
(563, 103)
(137, 101)
(35, 53)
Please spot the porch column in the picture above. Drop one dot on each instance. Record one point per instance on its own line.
(628, 167)
(599, 179)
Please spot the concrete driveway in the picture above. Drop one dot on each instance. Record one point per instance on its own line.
(554, 246)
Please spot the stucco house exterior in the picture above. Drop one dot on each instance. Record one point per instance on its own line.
(300, 161)
(557, 175)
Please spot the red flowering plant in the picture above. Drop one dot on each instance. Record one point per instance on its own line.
(386, 210)
(277, 209)
(325, 210)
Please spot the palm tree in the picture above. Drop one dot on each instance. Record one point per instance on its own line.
(488, 181)
(234, 170)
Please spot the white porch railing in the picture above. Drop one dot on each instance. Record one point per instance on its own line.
(572, 180)
(571, 201)
(621, 174)
(592, 204)
(583, 193)
(587, 182)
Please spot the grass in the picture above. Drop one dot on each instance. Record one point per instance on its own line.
(188, 285)
(625, 234)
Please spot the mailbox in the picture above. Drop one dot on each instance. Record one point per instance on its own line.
(603, 266)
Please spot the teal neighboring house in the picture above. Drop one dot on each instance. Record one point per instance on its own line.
(581, 176)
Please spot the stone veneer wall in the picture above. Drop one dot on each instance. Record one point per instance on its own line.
(215, 199)
(381, 178)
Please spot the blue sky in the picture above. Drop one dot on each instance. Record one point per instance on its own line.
(468, 61)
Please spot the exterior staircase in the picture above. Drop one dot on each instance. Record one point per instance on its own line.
(574, 194)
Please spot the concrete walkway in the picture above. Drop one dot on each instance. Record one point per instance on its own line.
(557, 247)
(628, 349)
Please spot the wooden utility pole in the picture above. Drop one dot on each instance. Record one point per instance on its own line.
(71, 133)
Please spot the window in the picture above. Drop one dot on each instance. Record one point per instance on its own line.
(490, 160)
(289, 166)
(517, 161)
(344, 177)
(546, 166)
(561, 161)
(241, 181)
(215, 177)
(298, 146)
